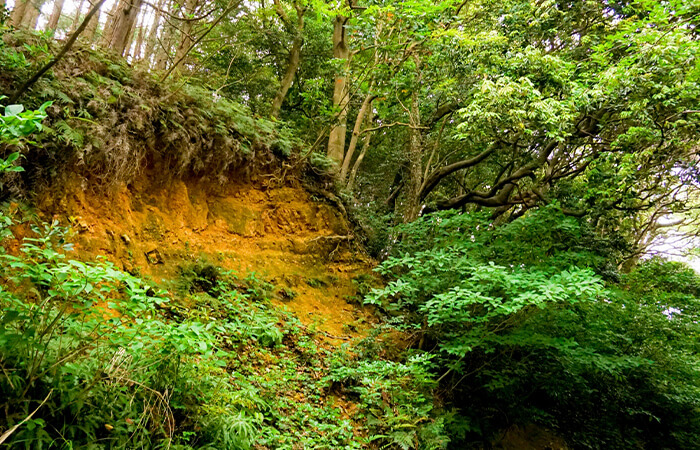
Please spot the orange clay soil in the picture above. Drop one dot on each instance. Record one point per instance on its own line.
(281, 234)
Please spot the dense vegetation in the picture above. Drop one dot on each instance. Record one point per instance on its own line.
(525, 171)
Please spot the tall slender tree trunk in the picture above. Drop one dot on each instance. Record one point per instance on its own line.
(131, 46)
(366, 105)
(31, 14)
(66, 47)
(18, 12)
(76, 19)
(124, 25)
(411, 199)
(91, 29)
(166, 45)
(293, 61)
(186, 37)
(288, 78)
(109, 25)
(231, 6)
(336, 139)
(152, 39)
(138, 45)
(365, 146)
(55, 15)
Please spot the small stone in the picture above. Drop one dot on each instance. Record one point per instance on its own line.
(153, 257)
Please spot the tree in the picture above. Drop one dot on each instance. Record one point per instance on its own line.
(294, 52)
(55, 14)
(123, 24)
(66, 47)
(18, 12)
(341, 93)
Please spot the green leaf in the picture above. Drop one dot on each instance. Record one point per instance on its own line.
(13, 110)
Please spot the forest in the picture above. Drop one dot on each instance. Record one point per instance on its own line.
(350, 224)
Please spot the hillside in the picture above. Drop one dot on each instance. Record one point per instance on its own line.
(376, 225)
(300, 245)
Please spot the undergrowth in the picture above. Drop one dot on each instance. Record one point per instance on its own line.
(108, 122)
(108, 360)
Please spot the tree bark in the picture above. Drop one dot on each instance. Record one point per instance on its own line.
(67, 46)
(294, 58)
(31, 15)
(186, 38)
(361, 156)
(366, 105)
(76, 19)
(18, 12)
(124, 25)
(138, 45)
(91, 30)
(55, 15)
(411, 199)
(153, 33)
(432, 180)
(109, 25)
(336, 139)
(165, 47)
(233, 5)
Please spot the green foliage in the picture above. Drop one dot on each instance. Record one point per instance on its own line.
(395, 398)
(119, 363)
(112, 119)
(515, 320)
(16, 123)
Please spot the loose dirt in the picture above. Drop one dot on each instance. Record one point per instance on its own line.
(285, 236)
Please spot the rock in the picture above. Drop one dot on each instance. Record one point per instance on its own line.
(153, 257)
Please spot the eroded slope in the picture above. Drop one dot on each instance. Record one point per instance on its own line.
(283, 234)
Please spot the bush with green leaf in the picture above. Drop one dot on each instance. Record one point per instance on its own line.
(529, 321)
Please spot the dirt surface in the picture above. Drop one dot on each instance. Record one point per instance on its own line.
(285, 236)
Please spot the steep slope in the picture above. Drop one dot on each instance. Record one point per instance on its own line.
(282, 234)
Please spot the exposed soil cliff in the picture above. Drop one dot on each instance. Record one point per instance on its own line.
(299, 243)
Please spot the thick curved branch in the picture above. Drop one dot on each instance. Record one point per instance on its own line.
(432, 180)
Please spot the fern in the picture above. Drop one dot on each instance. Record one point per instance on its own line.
(69, 135)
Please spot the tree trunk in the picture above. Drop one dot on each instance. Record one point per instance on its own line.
(91, 30)
(366, 105)
(109, 25)
(231, 6)
(361, 156)
(76, 19)
(31, 15)
(186, 29)
(288, 78)
(165, 47)
(136, 52)
(292, 63)
(124, 25)
(153, 33)
(18, 12)
(55, 15)
(411, 198)
(336, 140)
(66, 47)
(132, 47)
